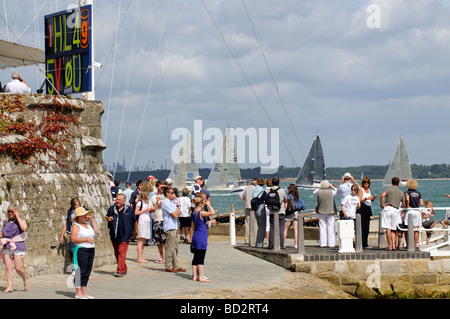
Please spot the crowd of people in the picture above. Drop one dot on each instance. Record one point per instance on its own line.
(266, 202)
(155, 214)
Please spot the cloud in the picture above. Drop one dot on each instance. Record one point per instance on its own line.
(361, 88)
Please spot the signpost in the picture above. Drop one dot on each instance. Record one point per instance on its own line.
(68, 51)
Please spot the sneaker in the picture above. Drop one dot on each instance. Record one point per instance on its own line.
(368, 247)
(118, 274)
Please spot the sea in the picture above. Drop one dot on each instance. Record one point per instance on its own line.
(433, 190)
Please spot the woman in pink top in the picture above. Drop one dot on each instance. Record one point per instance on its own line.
(14, 249)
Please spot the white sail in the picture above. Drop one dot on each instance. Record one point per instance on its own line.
(313, 170)
(185, 169)
(400, 166)
(226, 167)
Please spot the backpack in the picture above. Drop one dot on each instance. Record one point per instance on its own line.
(257, 201)
(114, 192)
(291, 205)
(273, 200)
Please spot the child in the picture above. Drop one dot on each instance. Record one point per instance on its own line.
(427, 221)
(185, 204)
(142, 210)
(351, 204)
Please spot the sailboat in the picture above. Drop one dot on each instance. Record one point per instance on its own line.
(313, 170)
(225, 171)
(400, 166)
(185, 169)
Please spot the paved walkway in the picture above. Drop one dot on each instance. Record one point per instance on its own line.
(225, 266)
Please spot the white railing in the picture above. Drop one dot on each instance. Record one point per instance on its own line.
(446, 231)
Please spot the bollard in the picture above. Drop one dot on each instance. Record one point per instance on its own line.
(232, 227)
(346, 233)
(252, 228)
(358, 239)
(410, 233)
(381, 234)
(276, 232)
(301, 236)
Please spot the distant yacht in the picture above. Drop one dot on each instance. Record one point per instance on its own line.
(185, 169)
(225, 171)
(312, 172)
(400, 166)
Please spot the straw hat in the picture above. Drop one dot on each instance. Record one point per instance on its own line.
(80, 211)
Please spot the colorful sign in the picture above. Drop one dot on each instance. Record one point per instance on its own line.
(68, 54)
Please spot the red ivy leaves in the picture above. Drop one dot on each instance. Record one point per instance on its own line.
(46, 137)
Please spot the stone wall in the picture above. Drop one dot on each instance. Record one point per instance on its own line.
(389, 278)
(42, 189)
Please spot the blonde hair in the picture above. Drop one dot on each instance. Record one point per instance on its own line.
(412, 184)
(185, 191)
(143, 195)
(148, 186)
(197, 201)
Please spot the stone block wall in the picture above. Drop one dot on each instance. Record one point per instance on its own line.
(42, 189)
(388, 278)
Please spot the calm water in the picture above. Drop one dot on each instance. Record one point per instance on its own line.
(430, 190)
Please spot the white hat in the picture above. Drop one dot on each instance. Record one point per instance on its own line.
(347, 176)
(169, 180)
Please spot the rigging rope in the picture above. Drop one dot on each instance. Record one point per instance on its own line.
(159, 41)
(108, 109)
(247, 80)
(273, 80)
(125, 100)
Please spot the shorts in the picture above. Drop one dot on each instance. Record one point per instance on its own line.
(185, 221)
(144, 229)
(390, 218)
(291, 217)
(416, 217)
(14, 252)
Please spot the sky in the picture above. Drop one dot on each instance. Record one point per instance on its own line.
(359, 73)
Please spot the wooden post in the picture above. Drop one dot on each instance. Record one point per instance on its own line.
(381, 234)
(410, 233)
(232, 227)
(301, 236)
(252, 228)
(276, 232)
(358, 239)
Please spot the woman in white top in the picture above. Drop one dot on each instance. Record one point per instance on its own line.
(366, 199)
(82, 235)
(142, 210)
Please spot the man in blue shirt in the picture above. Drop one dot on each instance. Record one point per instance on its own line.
(170, 215)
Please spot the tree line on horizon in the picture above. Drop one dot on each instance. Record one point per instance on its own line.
(434, 171)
